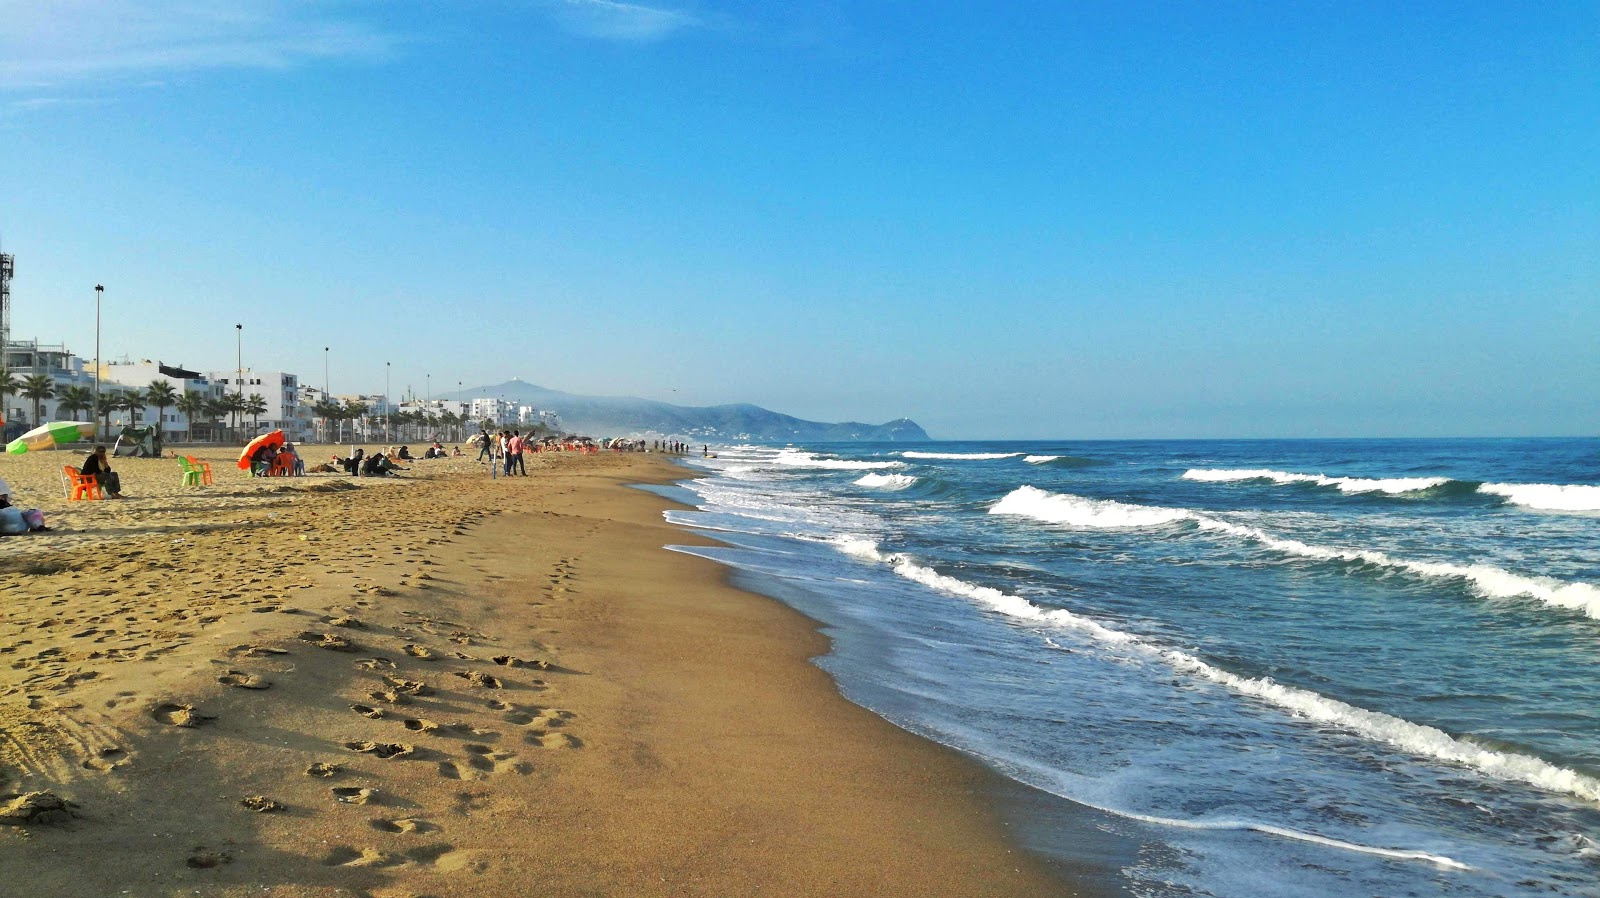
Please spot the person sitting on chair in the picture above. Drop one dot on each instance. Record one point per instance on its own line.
(97, 466)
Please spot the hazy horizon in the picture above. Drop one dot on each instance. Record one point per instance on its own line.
(1114, 221)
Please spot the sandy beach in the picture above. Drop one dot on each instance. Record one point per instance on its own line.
(440, 685)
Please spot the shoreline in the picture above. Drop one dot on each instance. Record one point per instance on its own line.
(596, 713)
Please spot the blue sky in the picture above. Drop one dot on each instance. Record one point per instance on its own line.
(1001, 220)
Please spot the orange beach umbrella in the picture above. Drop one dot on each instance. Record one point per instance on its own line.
(275, 438)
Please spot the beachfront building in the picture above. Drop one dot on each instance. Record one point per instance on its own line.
(280, 392)
(497, 412)
(26, 358)
(140, 375)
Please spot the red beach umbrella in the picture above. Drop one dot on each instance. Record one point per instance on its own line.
(275, 438)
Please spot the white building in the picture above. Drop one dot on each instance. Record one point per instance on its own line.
(140, 375)
(280, 390)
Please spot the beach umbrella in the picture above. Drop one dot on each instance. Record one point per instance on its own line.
(274, 438)
(50, 435)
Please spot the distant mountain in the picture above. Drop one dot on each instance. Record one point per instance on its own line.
(613, 416)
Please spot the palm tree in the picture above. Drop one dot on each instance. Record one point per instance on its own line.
(216, 409)
(234, 404)
(8, 385)
(108, 404)
(192, 405)
(352, 411)
(75, 399)
(162, 395)
(255, 407)
(38, 387)
(451, 420)
(132, 402)
(329, 410)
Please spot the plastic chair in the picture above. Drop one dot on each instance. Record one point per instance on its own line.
(282, 466)
(203, 466)
(191, 472)
(78, 486)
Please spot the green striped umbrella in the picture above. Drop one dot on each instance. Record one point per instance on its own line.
(49, 436)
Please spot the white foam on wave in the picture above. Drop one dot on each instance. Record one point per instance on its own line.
(1547, 496)
(794, 458)
(1485, 579)
(1040, 459)
(886, 481)
(1060, 508)
(1373, 725)
(1391, 485)
(952, 455)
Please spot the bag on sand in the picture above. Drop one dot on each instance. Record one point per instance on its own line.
(11, 521)
(34, 518)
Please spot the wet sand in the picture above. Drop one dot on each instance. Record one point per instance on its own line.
(441, 685)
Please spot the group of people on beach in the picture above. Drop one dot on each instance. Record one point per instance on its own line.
(504, 450)
(262, 462)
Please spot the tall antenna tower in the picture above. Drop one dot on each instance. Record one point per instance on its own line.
(8, 267)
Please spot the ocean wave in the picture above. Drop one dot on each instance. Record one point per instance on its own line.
(1485, 579)
(1546, 496)
(794, 458)
(1376, 726)
(1390, 485)
(1060, 508)
(1040, 459)
(886, 481)
(960, 455)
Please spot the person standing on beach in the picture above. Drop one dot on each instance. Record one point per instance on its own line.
(483, 441)
(95, 465)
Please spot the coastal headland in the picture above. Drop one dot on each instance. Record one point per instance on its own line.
(441, 685)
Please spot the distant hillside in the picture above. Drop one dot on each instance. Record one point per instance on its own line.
(610, 416)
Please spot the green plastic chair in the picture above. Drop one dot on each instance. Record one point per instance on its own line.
(191, 474)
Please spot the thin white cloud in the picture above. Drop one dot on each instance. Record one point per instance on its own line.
(47, 45)
(615, 20)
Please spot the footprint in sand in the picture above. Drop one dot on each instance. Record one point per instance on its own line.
(511, 661)
(254, 651)
(204, 858)
(417, 651)
(479, 679)
(407, 825)
(107, 760)
(330, 641)
(375, 664)
(367, 711)
(324, 770)
(416, 725)
(242, 680)
(552, 740)
(261, 804)
(444, 858)
(355, 795)
(400, 750)
(409, 687)
(485, 759)
(179, 715)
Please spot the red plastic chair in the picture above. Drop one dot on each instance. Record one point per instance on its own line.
(204, 466)
(78, 486)
(282, 466)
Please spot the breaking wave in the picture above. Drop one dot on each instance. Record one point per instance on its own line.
(1391, 486)
(1485, 579)
(958, 455)
(1546, 496)
(1373, 725)
(886, 481)
(794, 458)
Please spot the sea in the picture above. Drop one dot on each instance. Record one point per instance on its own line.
(1233, 668)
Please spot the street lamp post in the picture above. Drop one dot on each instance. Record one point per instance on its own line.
(98, 291)
(325, 397)
(388, 405)
(238, 350)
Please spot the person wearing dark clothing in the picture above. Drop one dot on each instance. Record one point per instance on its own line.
(95, 465)
(353, 463)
